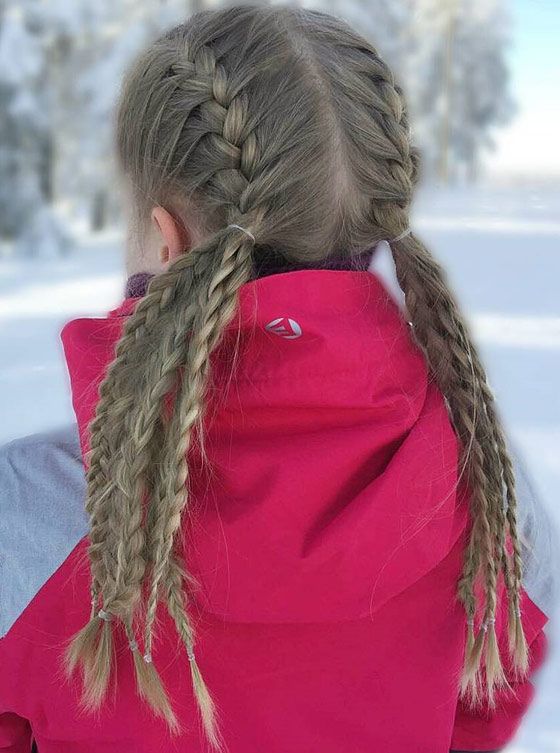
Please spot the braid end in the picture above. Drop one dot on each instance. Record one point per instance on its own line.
(92, 648)
(518, 644)
(470, 680)
(482, 678)
(495, 676)
(150, 688)
(81, 648)
(207, 708)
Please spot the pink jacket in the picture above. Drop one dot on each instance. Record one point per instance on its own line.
(329, 541)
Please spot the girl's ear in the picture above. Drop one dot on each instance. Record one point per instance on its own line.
(173, 237)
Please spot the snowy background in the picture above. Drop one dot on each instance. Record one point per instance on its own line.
(479, 76)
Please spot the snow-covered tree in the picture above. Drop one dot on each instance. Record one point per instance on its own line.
(22, 121)
(458, 80)
(31, 38)
(106, 35)
(450, 58)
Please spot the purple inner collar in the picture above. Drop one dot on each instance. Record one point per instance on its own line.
(268, 263)
(137, 285)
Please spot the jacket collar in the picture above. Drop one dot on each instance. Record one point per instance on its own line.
(266, 264)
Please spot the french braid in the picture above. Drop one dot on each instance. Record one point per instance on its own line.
(210, 279)
(386, 167)
(285, 122)
(440, 331)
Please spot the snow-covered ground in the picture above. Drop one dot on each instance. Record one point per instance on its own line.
(502, 249)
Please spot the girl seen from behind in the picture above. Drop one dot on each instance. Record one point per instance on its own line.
(302, 509)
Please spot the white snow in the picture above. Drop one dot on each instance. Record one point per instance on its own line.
(502, 249)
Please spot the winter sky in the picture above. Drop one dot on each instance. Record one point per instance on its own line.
(529, 144)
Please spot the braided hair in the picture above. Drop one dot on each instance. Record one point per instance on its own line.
(286, 122)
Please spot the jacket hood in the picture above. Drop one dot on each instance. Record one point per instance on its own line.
(332, 477)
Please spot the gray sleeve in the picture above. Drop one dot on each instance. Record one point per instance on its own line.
(539, 540)
(42, 516)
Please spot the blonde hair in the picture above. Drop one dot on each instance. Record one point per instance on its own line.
(286, 122)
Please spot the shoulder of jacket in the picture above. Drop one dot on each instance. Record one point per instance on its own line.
(42, 515)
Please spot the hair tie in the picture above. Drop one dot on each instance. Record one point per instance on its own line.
(244, 230)
(147, 658)
(103, 615)
(190, 653)
(133, 646)
(486, 623)
(402, 235)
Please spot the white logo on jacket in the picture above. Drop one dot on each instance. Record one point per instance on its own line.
(289, 329)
